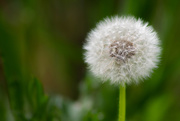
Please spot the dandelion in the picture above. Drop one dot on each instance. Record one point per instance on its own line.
(123, 50)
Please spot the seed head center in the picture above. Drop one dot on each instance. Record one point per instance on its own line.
(122, 50)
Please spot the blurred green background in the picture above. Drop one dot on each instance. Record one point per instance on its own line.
(42, 73)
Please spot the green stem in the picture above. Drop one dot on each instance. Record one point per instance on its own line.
(122, 103)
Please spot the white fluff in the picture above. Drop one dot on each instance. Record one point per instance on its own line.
(122, 50)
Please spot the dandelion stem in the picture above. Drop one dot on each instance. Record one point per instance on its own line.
(122, 103)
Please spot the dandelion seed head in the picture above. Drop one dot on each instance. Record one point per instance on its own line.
(122, 50)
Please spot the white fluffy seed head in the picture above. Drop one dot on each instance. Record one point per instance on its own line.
(122, 50)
